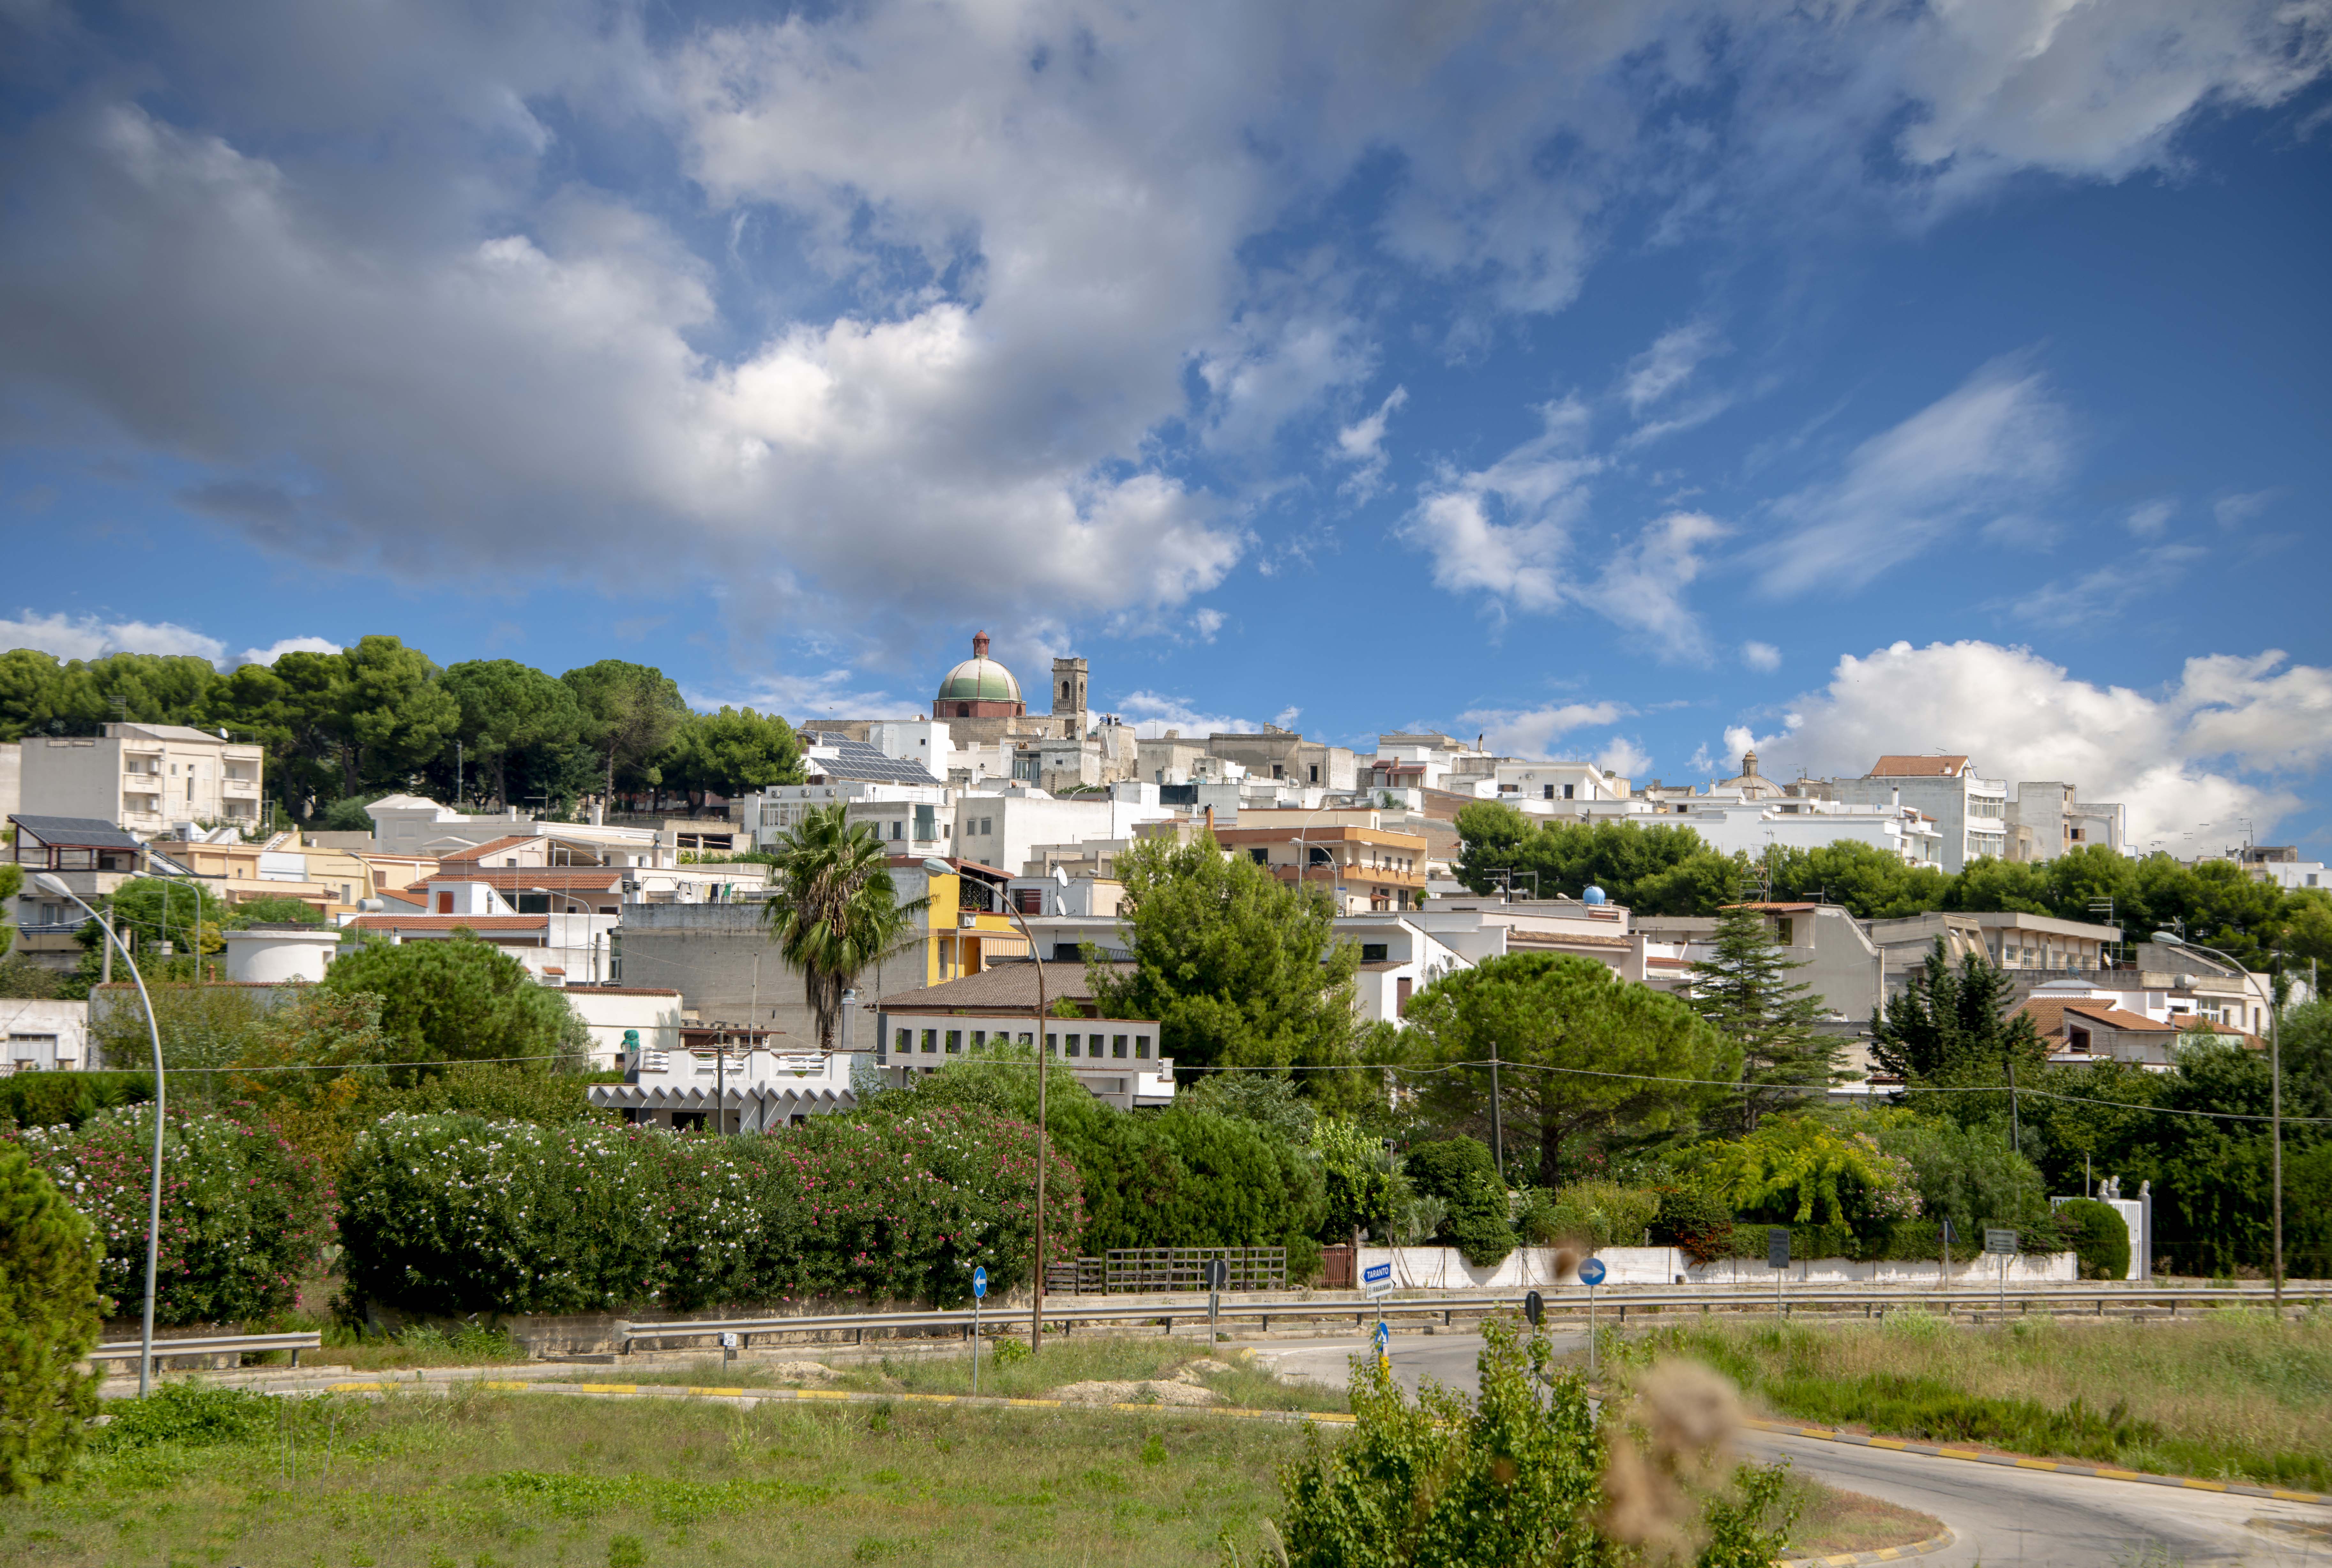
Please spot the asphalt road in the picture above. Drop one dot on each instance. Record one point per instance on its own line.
(2001, 1517)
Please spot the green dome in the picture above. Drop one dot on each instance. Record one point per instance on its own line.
(979, 681)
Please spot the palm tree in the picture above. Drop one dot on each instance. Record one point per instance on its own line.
(835, 909)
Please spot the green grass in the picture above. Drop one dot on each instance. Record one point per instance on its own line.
(482, 1479)
(1089, 1359)
(2237, 1396)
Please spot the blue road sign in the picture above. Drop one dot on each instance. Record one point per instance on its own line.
(979, 1282)
(1383, 1336)
(1377, 1277)
(1592, 1272)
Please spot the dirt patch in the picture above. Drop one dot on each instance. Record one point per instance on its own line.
(1831, 1521)
(800, 1371)
(1153, 1391)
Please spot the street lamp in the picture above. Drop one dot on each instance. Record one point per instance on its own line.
(2275, 1095)
(51, 884)
(935, 868)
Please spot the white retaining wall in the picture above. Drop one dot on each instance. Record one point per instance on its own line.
(1538, 1267)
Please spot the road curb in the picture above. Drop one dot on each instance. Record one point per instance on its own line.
(2019, 1462)
(1883, 1554)
(821, 1396)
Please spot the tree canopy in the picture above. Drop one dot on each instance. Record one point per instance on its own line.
(1239, 969)
(456, 1000)
(1744, 991)
(834, 910)
(1589, 1052)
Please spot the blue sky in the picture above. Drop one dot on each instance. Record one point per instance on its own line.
(1630, 384)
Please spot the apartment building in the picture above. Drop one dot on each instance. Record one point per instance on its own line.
(149, 779)
(1970, 812)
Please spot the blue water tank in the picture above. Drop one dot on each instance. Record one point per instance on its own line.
(1592, 895)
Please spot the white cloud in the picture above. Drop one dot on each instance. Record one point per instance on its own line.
(1362, 444)
(807, 693)
(1153, 713)
(1984, 450)
(2105, 593)
(1762, 656)
(2149, 520)
(1501, 531)
(1669, 363)
(276, 650)
(2233, 511)
(1642, 586)
(2176, 758)
(1531, 731)
(966, 272)
(1623, 756)
(88, 636)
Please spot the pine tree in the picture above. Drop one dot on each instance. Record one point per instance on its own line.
(1954, 1027)
(1744, 991)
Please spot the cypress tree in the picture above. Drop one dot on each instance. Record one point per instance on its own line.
(1744, 991)
(48, 1322)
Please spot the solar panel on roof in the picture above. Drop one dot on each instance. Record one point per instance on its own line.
(858, 760)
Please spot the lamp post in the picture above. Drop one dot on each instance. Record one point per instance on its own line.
(2275, 1096)
(51, 884)
(1043, 1074)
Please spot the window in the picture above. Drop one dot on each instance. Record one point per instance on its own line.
(898, 830)
(1785, 931)
(905, 1041)
(1373, 951)
(978, 1038)
(1117, 1045)
(1279, 771)
(987, 827)
(1315, 778)
(1052, 1044)
(1024, 1036)
(955, 1042)
(1142, 1047)
(1548, 793)
(1566, 791)
(931, 1042)
(1028, 899)
(1400, 996)
(1074, 1040)
(1260, 856)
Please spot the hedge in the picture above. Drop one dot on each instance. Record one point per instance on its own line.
(67, 1099)
(455, 1214)
(1906, 1241)
(244, 1215)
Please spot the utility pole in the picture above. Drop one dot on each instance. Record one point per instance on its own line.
(2275, 1118)
(1497, 1119)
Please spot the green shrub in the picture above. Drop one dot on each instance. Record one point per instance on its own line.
(244, 1214)
(67, 1099)
(48, 1320)
(190, 1414)
(1461, 1173)
(1600, 1213)
(2100, 1238)
(1694, 1221)
(503, 1092)
(1187, 1178)
(454, 1214)
(1516, 1476)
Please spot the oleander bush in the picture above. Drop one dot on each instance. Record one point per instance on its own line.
(48, 1320)
(453, 1213)
(244, 1214)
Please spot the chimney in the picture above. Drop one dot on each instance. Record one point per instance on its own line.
(1210, 819)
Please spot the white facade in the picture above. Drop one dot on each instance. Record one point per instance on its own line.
(770, 814)
(609, 1012)
(2046, 819)
(730, 1090)
(410, 825)
(1971, 813)
(1544, 787)
(1116, 1059)
(39, 1036)
(271, 954)
(148, 778)
(1727, 823)
(1004, 828)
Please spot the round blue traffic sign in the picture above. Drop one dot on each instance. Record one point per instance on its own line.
(979, 1282)
(1592, 1272)
(1383, 1334)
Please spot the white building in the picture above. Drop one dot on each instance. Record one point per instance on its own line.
(2046, 819)
(40, 1035)
(569, 945)
(149, 779)
(720, 1086)
(1004, 827)
(1969, 812)
(411, 825)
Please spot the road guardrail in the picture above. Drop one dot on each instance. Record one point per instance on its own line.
(225, 1344)
(2055, 1300)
